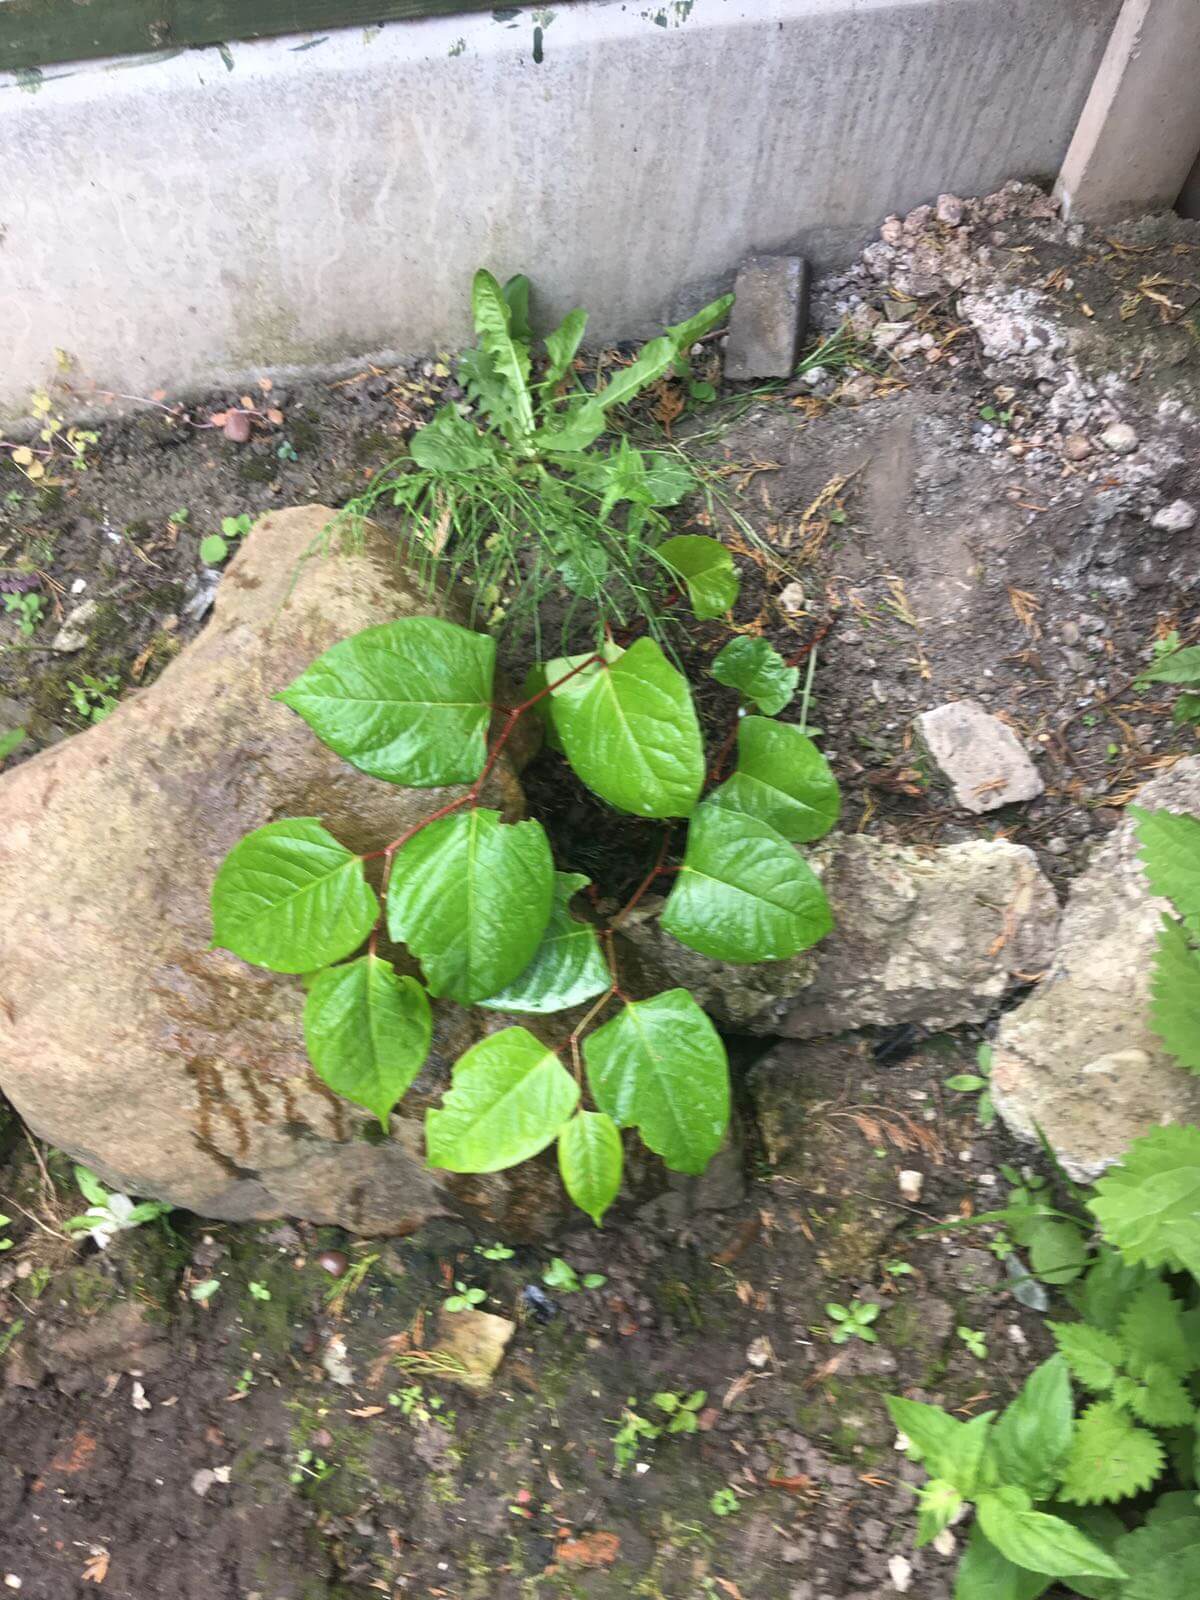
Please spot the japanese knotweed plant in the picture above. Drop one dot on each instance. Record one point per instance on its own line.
(479, 904)
(523, 498)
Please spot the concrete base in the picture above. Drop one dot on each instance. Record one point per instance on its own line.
(1139, 133)
(193, 218)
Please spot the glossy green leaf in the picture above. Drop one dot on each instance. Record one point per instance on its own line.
(743, 892)
(1039, 1542)
(707, 570)
(984, 1574)
(516, 298)
(408, 701)
(470, 896)
(629, 730)
(449, 443)
(291, 898)
(508, 1099)
(757, 671)
(509, 356)
(660, 1066)
(368, 1031)
(562, 344)
(590, 1160)
(783, 780)
(1033, 1434)
(567, 967)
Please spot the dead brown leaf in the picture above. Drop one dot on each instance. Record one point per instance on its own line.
(589, 1550)
(95, 1568)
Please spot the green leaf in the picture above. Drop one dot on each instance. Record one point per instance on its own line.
(516, 298)
(1149, 1205)
(660, 1066)
(1157, 1396)
(291, 898)
(629, 730)
(1163, 1555)
(449, 443)
(1039, 1542)
(984, 1574)
(509, 357)
(951, 1450)
(1104, 1527)
(683, 335)
(757, 671)
(783, 780)
(1180, 666)
(1057, 1252)
(567, 967)
(573, 430)
(213, 550)
(1107, 1289)
(655, 357)
(90, 1187)
(1152, 1329)
(470, 895)
(938, 1504)
(743, 892)
(1171, 856)
(965, 1082)
(409, 701)
(1033, 1434)
(562, 344)
(368, 1032)
(1175, 994)
(706, 568)
(508, 1099)
(1111, 1457)
(590, 1160)
(9, 741)
(1092, 1355)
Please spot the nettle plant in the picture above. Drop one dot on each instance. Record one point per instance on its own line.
(479, 904)
(532, 500)
(1170, 852)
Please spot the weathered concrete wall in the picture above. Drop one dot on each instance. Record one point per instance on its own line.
(173, 220)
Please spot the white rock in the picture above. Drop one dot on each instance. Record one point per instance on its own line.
(911, 1183)
(138, 1398)
(336, 1362)
(791, 597)
(73, 634)
(945, 1544)
(949, 210)
(1178, 517)
(981, 756)
(1119, 438)
(203, 1481)
(901, 1573)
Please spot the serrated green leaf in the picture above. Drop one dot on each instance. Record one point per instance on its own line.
(1149, 1205)
(409, 701)
(1157, 1396)
(1170, 854)
(470, 895)
(567, 967)
(1033, 1434)
(449, 443)
(562, 344)
(1092, 1355)
(1175, 994)
(629, 730)
(984, 1574)
(508, 1099)
(1111, 1457)
(938, 1503)
(590, 1159)
(509, 356)
(1162, 1557)
(707, 570)
(368, 1032)
(1152, 1329)
(951, 1450)
(783, 780)
(660, 1066)
(1101, 1297)
(1180, 666)
(757, 671)
(743, 892)
(1039, 1542)
(290, 898)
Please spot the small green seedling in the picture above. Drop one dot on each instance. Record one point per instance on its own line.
(853, 1321)
(899, 1269)
(5, 1244)
(94, 698)
(978, 1082)
(287, 451)
(632, 1429)
(244, 1381)
(203, 1292)
(214, 547)
(178, 518)
(495, 1252)
(309, 1465)
(109, 1214)
(9, 742)
(724, 1503)
(259, 1291)
(562, 1276)
(29, 609)
(681, 1409)
(464, 1299)
(974, 1341)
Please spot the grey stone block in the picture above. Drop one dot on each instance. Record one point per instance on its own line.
(769, 317)
(980, 755)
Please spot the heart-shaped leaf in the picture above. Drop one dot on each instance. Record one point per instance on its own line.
(783, 780)
(567, 967)
(707, 570)
(291, 898)
(368, 1032)
(470, 895)
(408, 701)
(509, 1098)
(660, 1066)
(590, 1160)
(757, 671)
(629, 730)
(743, 892)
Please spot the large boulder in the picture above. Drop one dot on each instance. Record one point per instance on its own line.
(172, 1069)
(932, 936)
(1078, 1059)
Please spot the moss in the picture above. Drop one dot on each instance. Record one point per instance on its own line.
(257, 469)
(304, 431)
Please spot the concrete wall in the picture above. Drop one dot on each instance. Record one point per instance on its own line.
(173, 220)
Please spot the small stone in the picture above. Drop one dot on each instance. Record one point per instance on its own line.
(475, 1342)
(983, 759)
(1119, 438)
(911, 1183)
(1076, 447)
(945, 1543)
(858, 388)
(203, 1481)
(237, 426)
(900, 1570)
(791, 598)
(11, 1581)
(760, 1352)
(891, 230)
(79, 586)
(949, 210)
(336, 1362)
(889, 333)
(73, 634)
(769, 317)
(1071, 633)
(1178, 517)
(334, 1262)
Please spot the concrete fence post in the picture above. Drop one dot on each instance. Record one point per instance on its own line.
(1139, 133)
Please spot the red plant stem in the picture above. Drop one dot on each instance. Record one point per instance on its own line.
(646, 881)
(722, 755)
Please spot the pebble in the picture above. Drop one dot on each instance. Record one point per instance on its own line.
(860, 387)
(900, 1569)
(334, 1262)
(949, 210)
(1076, 447)
(1120, 439)
(911, 1183)
(237, 427)
(1178, 517)
(791, 597)
(73, 634)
